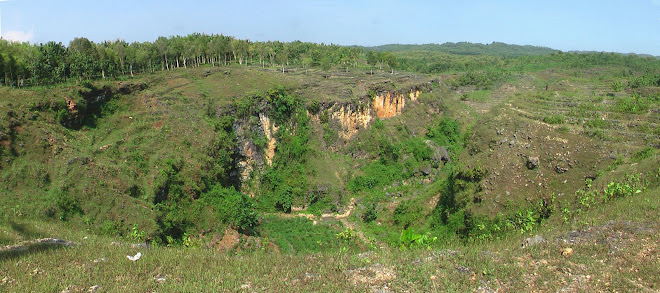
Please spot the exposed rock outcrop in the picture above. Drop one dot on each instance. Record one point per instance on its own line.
(256, 142)
(390, 104)
(269, 130)
(352, 118)
(358, 115)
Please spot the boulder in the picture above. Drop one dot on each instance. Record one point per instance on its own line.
(560, 169)
(440, 153)
(533, 162)
(426, 170)
(537, 239)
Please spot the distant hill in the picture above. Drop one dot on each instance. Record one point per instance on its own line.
(467, 48)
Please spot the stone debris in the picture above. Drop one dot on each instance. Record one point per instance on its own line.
(160, 279)
(7, 280)
(135, 257)
(533, 162)
(371, 275)
(40, 242)
(532, 241)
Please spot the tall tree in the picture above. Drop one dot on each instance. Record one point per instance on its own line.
(162, 44)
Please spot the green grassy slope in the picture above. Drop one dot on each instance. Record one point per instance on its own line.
(541, 150)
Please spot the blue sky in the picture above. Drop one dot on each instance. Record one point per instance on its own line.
(613, 26)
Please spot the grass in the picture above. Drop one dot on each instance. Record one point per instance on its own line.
(499, 265)
(169, 136)
(554, 119)
(479, 96)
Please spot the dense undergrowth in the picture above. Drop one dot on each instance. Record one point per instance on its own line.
(177, 163)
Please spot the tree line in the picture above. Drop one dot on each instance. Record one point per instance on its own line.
(24, 64)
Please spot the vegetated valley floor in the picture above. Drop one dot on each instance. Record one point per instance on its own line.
(556, 153)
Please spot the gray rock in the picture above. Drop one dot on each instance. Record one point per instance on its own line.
(533, 162)
(426, 170)
(560, 169)
(532, 241)
(160, 279)
(440, 153)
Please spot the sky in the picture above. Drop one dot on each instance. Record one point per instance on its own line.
(631, 26)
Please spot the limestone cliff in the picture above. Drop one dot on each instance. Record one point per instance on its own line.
(269, 130)
(251, 152)
(358, 115)
(390, 104)
(255, 134)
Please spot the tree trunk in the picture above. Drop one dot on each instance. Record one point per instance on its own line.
(132, 70)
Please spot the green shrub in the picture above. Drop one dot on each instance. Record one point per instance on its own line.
(483, 79)
(282, 105)
(286, 180)
(644, 80)
(554, 119)
(617, 86)
(370, 213)
(409, 239)
(597, 133)
(632, 105)
(597, 123)
(376, 174)
(232, 207)
(643, 154)
(407, 214)
(378, 124)
(299, 235)
(314, 107)
(446, 133)
(418, 148)
(66, 204)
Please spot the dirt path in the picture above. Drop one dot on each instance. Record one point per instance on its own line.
(343, 218)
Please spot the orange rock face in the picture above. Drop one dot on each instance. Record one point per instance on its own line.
(351, 120)
(388, 105)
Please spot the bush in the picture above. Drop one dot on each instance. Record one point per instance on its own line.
(406, 214)
(409, 239)
(418, 148)
(314, 107)
(643, 154)
(645, 80)
(447, 132)
(232, 207)
(554, 119)
(632, 105)
(65, 204)
(375, 175)
(370, 213)
(482, 79)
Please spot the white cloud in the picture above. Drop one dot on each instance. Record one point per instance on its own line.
(18, 36)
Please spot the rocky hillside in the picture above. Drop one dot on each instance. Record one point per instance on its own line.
(455, 155)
